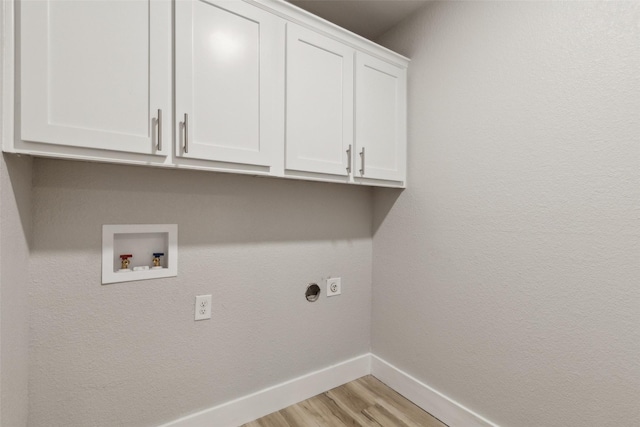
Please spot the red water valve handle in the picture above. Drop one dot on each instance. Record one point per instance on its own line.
(126, 256)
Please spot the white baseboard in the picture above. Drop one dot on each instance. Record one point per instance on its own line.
(272, 399)
(437, 404)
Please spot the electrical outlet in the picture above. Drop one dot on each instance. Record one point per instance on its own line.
(203, 307)
(334, 286)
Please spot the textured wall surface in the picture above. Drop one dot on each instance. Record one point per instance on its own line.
(507, 274)
(130, 353)
(15, 235)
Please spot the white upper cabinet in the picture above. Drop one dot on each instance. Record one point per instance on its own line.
(381, 139)
(96, 74)
(319, 103)
(229, 82)
(246, 86)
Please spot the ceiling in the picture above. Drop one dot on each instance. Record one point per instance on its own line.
(368, 18)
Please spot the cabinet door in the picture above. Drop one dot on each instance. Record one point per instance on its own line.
(229, 82)
(381, 141)
(94, 74)
(319, 105)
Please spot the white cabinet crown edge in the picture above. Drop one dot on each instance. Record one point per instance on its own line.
(294, 14)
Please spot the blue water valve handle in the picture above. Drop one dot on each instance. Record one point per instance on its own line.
(156, 259)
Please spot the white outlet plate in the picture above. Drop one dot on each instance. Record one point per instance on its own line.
(203, 307)
(334, 286)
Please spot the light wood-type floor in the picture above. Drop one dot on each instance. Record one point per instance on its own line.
(363, 402)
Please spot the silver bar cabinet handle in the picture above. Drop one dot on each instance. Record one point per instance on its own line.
(159, 121)
(349, 159)
(362, 160)
(186, 133)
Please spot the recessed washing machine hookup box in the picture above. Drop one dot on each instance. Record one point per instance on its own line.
(139, 252)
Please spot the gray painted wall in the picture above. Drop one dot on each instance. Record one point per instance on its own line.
(503, 276)
(15, 234)
(506, 275)
(130, 353)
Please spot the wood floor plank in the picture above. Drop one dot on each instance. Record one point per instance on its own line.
(383, 417)
(297, 415)
(389, 401)
(342, 417)
(273, 420)
(317, 414)
(395, 403)
(353, 404)
(349, 398)
(365, 402)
